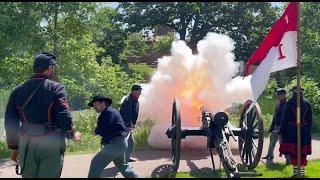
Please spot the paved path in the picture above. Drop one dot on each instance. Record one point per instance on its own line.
(150, 161)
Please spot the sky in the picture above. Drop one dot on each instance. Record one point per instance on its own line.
(110, 4)
(276, 4)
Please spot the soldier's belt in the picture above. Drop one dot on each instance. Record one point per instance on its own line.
(115, 137)
(38, 130)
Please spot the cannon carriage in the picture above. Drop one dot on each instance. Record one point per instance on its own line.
(217, 129)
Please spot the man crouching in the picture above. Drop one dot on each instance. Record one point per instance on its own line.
(111, 128)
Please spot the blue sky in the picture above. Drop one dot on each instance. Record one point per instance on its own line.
(113, 4)
(276, 3)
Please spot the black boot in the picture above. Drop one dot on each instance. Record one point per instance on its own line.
(267, 158)
(295, 172)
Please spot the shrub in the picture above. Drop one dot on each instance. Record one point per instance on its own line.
(135, 45)
(4, 96)
(15, 70)
(267, 99)
(141, 134)
(85, 122)
(4, 150)
(143, 69)
(84, 77)
(164, 43)
(311, 91)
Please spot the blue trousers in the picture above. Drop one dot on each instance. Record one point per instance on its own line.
(114, 151)
(130, 146)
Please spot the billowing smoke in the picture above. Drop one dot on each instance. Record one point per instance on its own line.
(207, 78)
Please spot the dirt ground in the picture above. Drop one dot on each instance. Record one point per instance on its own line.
(150, 162)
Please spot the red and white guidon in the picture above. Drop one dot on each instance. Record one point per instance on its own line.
(277, 51)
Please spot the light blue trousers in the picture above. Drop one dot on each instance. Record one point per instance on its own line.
(274, 137)
(130, 146)
(114, 151)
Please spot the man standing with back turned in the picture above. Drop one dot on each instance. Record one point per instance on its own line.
(37, 121)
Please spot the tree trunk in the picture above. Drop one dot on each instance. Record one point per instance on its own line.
(193, 39)
(56, 11)
(55, 37)
(182, 33)
(25, 44)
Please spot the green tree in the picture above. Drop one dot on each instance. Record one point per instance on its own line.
(135, 45)
(164, 43)
(311, 91)
(84, 77)
(310, 39)
(108, 34)
(75, 26)
(64, 19)
(20, 26)
(247, 23)
(14, 70)
(30, 27)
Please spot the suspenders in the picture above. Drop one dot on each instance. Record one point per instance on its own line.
(20, 169)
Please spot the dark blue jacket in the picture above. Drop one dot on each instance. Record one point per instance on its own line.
(49, 105)
(276, 121)
(109, 124)
(129, 110)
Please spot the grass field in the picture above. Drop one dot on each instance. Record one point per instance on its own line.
(276, 170)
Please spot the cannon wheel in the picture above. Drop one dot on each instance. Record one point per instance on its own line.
(251, 139)
(176, 134)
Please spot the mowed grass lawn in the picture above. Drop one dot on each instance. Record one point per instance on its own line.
(276, 170)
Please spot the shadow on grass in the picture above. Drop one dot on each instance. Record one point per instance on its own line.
(203, 172)
(167, 171)
(270, 165)
(207, 172)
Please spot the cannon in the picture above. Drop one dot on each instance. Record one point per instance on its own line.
(217, 129)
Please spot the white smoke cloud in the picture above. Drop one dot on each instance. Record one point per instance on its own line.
(194, 80)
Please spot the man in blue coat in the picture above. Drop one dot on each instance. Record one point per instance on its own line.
(37, 121)
(288, 130)
(129, 111)
(111, 128)
(275, 125)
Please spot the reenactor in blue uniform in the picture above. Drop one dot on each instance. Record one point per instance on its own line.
(37, 121)
(111, 128)
(129, 111)
(275, 125)
(288, 130)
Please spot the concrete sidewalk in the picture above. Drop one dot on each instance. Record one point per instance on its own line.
(151, 161)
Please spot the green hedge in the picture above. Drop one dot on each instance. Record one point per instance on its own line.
(4, 96)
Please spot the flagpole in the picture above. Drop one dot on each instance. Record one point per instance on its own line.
(298, 94)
